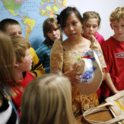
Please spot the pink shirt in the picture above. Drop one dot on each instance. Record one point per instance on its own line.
(98, 37)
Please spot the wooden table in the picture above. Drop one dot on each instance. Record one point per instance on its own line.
(101, 116)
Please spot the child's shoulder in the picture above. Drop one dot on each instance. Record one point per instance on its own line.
(42, 47)
(109, 42)
(28, 77)
(98, 36)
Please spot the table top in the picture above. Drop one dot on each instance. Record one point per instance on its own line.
(100, 116)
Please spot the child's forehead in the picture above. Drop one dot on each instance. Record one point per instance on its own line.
(13, 26)
(54, 26)
(118, 21)
(92, 21)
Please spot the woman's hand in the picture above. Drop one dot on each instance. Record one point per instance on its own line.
(73, 74)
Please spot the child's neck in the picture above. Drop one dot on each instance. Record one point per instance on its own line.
(117, 38)
(18, 74)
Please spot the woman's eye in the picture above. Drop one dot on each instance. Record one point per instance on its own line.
(64, 26)
(74, 23)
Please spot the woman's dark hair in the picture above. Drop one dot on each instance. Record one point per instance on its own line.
(65, 13)
(47, 26)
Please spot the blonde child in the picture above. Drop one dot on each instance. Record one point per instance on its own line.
(7, 113)
(23, 63)
(91, 23)
(113, 50)
(47, 100)
(51, 32)
(12, 27)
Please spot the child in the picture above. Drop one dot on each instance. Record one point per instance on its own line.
(22, 66)
(7, 113)
(12, 27)
(91, 22)
(63, 58)
(47, 100)
(113, 50)
(51, 32)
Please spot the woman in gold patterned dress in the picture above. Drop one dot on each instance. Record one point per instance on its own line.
(64, 56)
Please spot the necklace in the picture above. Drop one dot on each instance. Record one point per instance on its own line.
(75, 52)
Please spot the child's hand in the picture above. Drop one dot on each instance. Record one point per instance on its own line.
(116, 91)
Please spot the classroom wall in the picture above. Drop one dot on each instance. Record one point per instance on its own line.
(31, 9)
(103, 7)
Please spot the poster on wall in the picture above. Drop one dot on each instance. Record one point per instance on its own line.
(31, 15)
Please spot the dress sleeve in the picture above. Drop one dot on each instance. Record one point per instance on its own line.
(56, 58)
(95, 46)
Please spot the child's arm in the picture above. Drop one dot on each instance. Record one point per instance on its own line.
(109, 63)
(37, 67)
(110, 84)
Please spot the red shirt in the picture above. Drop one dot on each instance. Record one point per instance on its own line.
(113, 51)
(17, 100)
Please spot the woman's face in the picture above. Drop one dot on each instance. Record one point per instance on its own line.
(54, 33)
(73, 27)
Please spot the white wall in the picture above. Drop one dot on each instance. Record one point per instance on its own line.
(103, 7)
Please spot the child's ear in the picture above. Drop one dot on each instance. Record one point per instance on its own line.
(16, 64)
(111, 26)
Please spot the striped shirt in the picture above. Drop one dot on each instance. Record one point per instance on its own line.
(43, 53)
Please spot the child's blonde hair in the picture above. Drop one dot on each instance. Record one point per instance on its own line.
(7, 78)
(20, 45)
(117, 14)
(47, 100)
(91, 14)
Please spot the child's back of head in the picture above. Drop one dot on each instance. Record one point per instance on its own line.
(6, 65)
(47, 100)
(7, 80)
